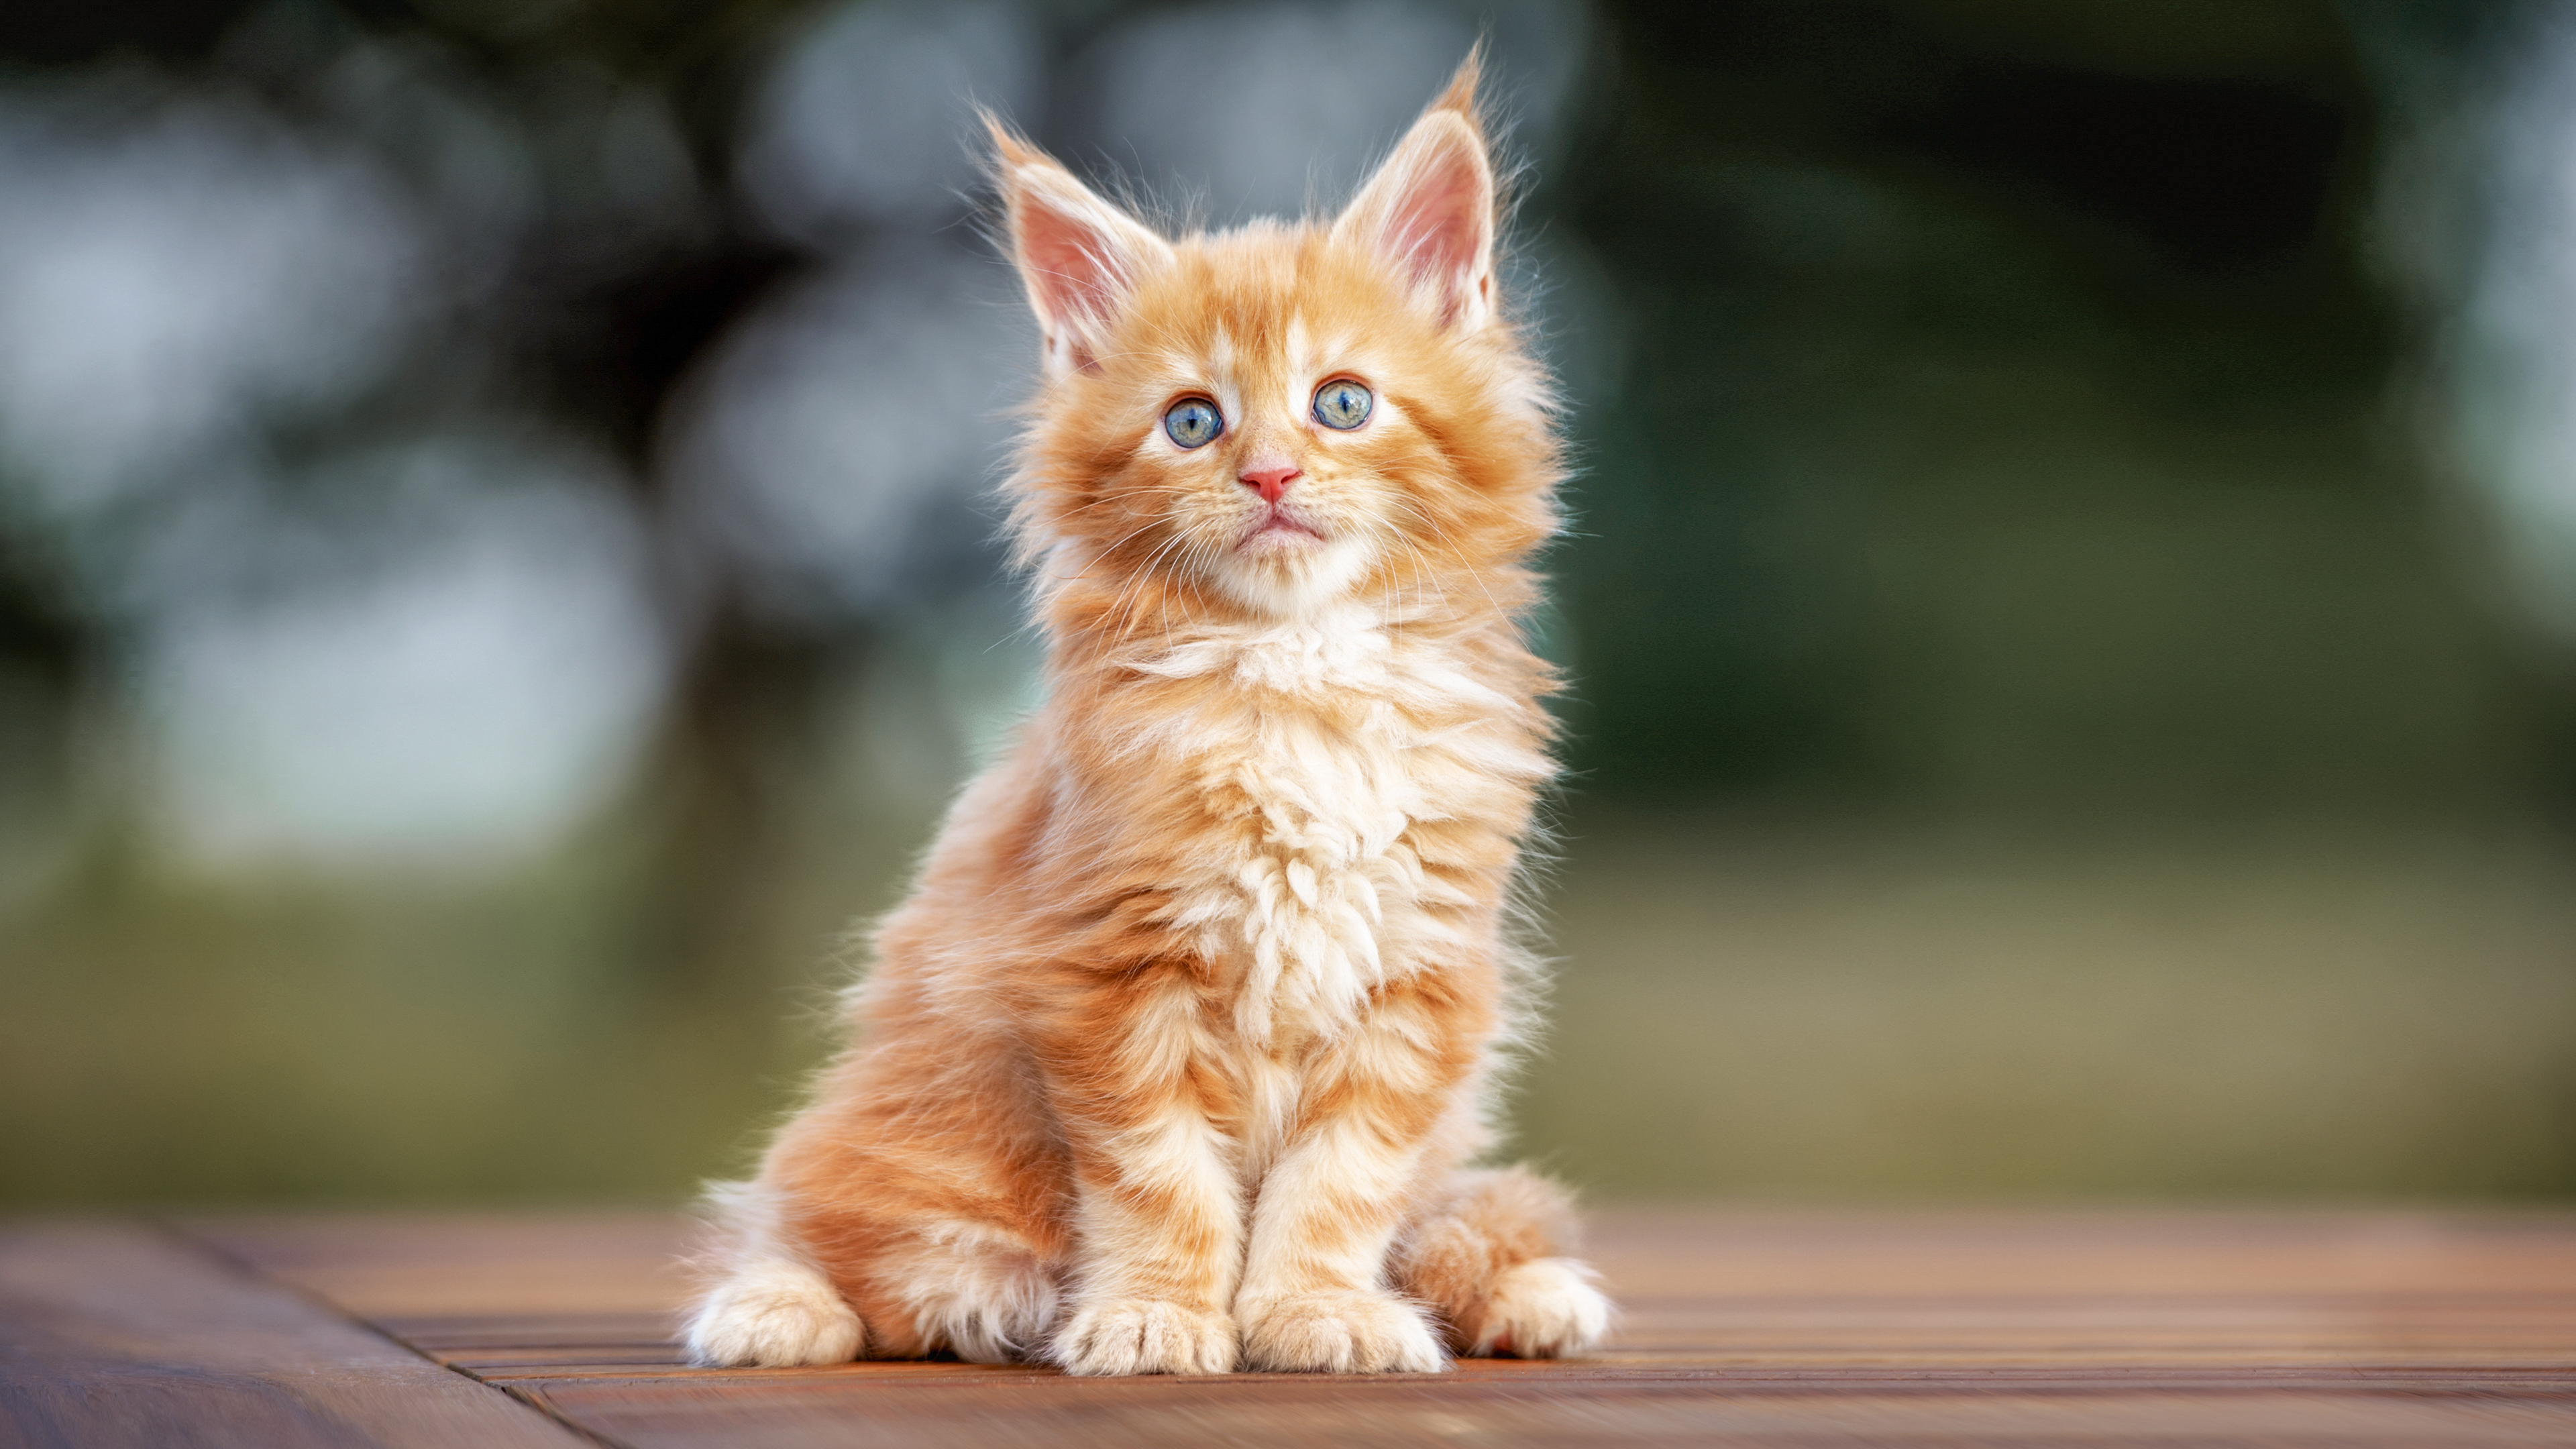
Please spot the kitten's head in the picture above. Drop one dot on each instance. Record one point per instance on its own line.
(1274, 419)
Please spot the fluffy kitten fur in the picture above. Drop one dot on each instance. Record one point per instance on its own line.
(1175, 1058)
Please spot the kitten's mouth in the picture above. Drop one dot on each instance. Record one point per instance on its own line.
(1278, 528)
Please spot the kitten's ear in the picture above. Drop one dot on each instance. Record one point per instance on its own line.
(1430, 208)
(1079, 255)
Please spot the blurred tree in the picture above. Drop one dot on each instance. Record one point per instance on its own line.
(2006, 424)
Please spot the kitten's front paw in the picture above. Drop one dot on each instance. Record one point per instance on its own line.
(1544, 1308)
(774, 1314)
(1145, 1336)
(1339, 1333)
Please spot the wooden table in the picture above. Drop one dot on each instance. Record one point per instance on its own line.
(1742, 1327)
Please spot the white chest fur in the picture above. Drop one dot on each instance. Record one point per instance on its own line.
(1339, 735)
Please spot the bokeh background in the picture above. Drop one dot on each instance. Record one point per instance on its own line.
(2073, 595)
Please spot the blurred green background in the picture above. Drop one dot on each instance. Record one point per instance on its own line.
(2072, 596)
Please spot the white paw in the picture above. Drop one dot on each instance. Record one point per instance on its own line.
(1145, 1336)
(1544, 1308)
(773, 1313)
(1339, 1333)
(985, 1297)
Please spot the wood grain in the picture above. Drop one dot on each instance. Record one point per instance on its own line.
(115, 1335)
(1769, 1327)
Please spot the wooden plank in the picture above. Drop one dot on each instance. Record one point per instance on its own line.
(1829, 1253)
(499, 1265)
(119, 1334)
(1741, 1326)
(1148, 1414)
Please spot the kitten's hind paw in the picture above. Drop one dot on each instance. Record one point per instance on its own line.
(773, 1313)
(1340, 1333)
(1544, 1308)
(1145, 1336)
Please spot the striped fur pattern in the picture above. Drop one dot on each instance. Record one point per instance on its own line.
(1178, 1057)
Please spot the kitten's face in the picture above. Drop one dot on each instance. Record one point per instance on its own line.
(1285, 417)
(1267, 415)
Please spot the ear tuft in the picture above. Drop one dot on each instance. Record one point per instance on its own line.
(1080, 256)
(1430, 209)
(1460, 94)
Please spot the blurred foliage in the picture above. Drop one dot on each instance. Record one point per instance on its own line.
(1995, 416)
(2008, 426)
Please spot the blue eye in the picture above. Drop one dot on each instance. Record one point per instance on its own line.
(1343, 404)
(1193, 422)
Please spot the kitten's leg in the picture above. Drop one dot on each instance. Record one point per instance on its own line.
(938, 1280)
(1157, 1207)
(910, 1209)
(1314, 1293)
(971, 1286)
(773, 1308)
(1486, 1254)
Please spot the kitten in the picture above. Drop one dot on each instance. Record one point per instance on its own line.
(1175, 1058)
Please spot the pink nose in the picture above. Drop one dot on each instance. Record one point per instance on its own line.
(1269, 479)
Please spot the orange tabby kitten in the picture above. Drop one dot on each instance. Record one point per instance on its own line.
(1174, 1061)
